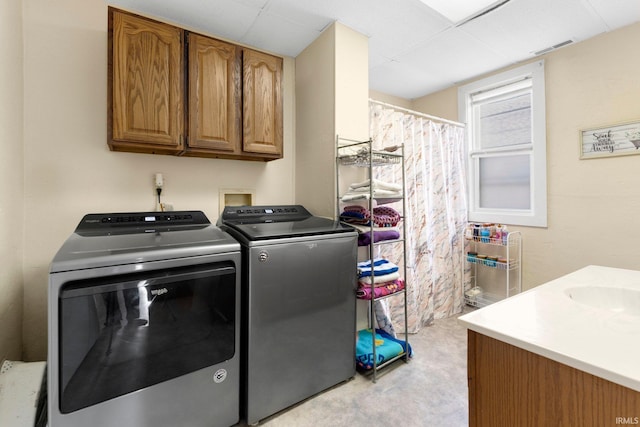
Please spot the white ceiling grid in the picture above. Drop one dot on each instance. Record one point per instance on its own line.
(413, 50)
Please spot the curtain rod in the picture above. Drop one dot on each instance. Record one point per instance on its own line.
(417, 113)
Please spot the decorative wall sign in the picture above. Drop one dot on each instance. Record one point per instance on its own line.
(618, 140)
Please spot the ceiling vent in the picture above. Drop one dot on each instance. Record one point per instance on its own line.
(554, 47)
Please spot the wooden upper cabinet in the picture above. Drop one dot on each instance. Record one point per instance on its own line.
(215, 96)
(262, 103)
(146, 85)
(212, 99)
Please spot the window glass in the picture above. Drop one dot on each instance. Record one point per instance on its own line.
(505, 182)
(505, 122)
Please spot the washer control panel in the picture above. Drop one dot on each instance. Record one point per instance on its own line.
(130, 222)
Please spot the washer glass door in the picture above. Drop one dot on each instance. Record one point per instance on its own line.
(123, 333)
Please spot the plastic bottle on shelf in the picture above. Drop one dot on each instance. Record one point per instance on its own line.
(505, 235)
(485, 234)
(498, 236)
(468, 232)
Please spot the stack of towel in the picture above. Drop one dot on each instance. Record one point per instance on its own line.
(383, 216)
(381, 223)
(381, 190)
(383, 274)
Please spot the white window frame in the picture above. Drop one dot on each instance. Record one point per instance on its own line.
(536, 215)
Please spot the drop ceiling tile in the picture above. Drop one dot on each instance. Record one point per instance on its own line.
(303, 13)
(395, 27)
(392, 26)
(453, 56)
(520, 28)
(399, 80)
(376, 58)
(290, 39)
(447, 59)
(256, 4)
(227, 19)
(616, 13)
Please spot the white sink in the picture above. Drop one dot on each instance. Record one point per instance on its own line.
(618, 300)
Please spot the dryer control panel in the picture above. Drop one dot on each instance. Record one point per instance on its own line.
(264, 214)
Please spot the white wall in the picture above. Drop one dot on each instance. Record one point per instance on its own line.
(593, 205)
(11, 180)
(69, 170)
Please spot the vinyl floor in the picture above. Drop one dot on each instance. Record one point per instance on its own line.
(428, 391)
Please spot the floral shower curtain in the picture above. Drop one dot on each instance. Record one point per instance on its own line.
(436, 212)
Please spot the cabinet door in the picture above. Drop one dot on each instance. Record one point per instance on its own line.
(214, 95)
(262, 103)
(147, 84)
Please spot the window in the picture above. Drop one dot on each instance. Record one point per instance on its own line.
(506, 142)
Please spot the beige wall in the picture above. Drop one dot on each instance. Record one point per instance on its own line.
(331, 99)
(315, 123)
(390, 99)
(11, 180)
(69, 170)
(593, 205)
(352, 83)
(443, 104)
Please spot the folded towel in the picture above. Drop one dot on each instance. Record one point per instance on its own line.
(376, 262)
(357, 209)
(356, 215)
(354, 218)
(393, 197)
(381, 269)
(384, 216)
(387, 347)
(377, 184)
(366, 229)
(376, 191)
(364, 239)
(381, 290)
(380, 279)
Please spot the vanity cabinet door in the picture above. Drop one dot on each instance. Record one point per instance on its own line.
(146, 92)
(214, 96)
(262, 103)
(511, 386)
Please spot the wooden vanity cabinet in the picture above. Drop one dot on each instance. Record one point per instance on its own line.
(510, 386)
(146, 85)
(210, 99)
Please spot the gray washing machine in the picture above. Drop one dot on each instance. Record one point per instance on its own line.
(144, 315)
(299, 320)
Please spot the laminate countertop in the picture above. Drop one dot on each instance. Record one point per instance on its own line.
(588, 319)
